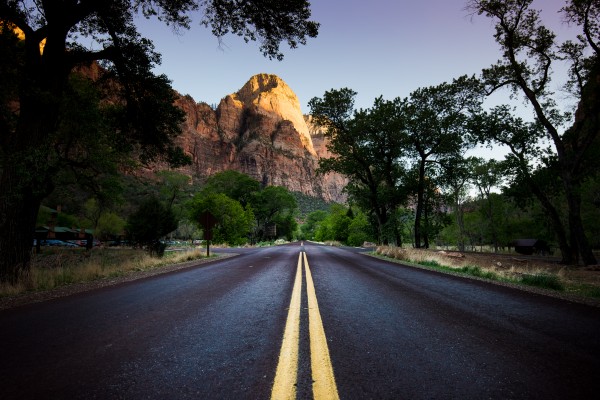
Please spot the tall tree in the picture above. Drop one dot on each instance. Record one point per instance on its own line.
(30, 122)
(274, 205)
(456, 178)
(233, 184)
(233, 222)
(529, 51)
(367, 147)
(523, 139)
(172, 185)
(487, 175)
(435, 130)
(149, 223)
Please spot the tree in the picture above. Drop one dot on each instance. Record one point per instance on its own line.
(436, 122)
(109, 225)
(359, 230)
(488, 175)
(233, 184)
(172, 185)
(339, 222)
(274, 205)
(234, 223)
(149, 223)
(366, 145)
(529, 51)
(146, 119)
(456, 177)
(311, 224)
(522, 138)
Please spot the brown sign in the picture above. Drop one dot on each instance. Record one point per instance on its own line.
(208, 222)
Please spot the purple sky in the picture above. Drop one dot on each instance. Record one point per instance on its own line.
(379, 47)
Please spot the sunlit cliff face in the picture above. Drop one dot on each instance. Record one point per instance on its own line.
(21, 35)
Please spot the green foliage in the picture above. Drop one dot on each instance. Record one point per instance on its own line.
(287, 227)
(308, 204)
(274, 205)
(149, 223)
(312, 223)
(109, 225)
(233, 184)
(188, 230)
(234, 223)
(477, 271)
(270, 205)
(430, 263)
(358, 230)
(543, 280)
(339, 224)
(172, 185)
(270, 22)
(367, 147)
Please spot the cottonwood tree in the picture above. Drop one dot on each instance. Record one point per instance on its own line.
(367, 146)
(274, 205)
(527, 156)
(436, 122)
(234, 223)
(456, 178)
(234, 184)
(530, 50)
(36, 83)
(149, 223)
(488, 175)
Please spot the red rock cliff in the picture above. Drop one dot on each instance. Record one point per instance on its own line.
(260, 131)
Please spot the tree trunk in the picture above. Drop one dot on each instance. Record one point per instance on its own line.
(26, 177)
(576, 224)
(490, 212)
(420, 200)
(18, 214)
(426, 229)
(461, 226)
(579, 138)
(561, 235)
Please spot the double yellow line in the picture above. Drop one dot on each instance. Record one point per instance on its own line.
(286, 376)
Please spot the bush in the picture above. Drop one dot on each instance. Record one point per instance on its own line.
(149, 223)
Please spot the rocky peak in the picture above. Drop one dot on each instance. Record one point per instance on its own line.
(261, 132)
(268, 94)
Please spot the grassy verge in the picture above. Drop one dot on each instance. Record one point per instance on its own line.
(529, 276)
(59, 267)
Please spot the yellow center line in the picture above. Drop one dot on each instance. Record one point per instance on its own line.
(286, 375)
(324, 386)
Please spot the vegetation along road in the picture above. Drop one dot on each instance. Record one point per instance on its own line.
(301, 321)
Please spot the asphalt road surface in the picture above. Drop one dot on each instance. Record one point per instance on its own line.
(337, 322)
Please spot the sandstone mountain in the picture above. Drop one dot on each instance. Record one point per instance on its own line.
(260, 131)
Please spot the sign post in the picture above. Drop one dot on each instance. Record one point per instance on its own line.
(208, 222)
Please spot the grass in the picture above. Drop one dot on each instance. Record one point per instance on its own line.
(546, 281)
(59, 267)
(526, 276)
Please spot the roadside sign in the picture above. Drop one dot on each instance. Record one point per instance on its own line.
(208, 222)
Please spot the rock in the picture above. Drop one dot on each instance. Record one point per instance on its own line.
(260, 131)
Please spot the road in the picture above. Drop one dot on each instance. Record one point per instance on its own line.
(386, 331)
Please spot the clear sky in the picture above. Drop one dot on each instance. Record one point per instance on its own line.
(376, 48)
